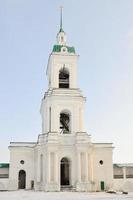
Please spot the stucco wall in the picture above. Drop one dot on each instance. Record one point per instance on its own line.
(16, 155)
(4, 184)
(102, 172)
(123, 185)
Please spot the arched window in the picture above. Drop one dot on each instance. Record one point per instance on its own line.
(64, 122)
(63, 78)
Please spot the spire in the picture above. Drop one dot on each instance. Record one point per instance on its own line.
(61, 9)
(62, 39)
(61, 36)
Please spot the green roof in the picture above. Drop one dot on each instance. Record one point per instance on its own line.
(4, 165)
(57, 48)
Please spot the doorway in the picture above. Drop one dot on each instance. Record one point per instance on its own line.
(65, 172)
(102, 185)
(22, 179)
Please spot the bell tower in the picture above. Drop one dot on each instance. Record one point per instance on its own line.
(63, 104)
(62, 112)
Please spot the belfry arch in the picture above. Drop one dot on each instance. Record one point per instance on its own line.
(65, 122)
(64, 78)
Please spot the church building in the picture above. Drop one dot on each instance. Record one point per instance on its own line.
(63, 156)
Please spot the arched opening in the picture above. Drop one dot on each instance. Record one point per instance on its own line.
(22, 179)
(65, 172)
(64, 123)
(63, 78)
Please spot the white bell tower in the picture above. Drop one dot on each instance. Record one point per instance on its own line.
(63, 103)
(62, 112)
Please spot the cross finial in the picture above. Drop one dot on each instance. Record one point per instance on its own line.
(61, 8)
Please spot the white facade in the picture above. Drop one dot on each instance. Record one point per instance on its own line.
(64, 156)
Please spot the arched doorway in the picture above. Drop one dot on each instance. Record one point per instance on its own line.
(21, 179)
(65, 172)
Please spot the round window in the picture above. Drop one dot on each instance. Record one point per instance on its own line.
(101, 162)
(22, 162)
(64, 49)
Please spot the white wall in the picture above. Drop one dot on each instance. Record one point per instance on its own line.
(16, 155)
(102, 172)
(123, 185)
(4, 184)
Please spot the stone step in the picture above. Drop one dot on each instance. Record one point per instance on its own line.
(68, 188)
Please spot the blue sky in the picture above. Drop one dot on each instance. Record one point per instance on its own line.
(102, 33)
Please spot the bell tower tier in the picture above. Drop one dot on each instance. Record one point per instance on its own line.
(62, 67)
(62, 111)
(63, 104)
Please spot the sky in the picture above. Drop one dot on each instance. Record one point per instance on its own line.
(102, 33)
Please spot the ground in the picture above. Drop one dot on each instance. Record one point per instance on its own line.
(31, 195)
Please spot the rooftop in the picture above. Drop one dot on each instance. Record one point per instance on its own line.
(4, 165)
(123, 164)
(59, 48)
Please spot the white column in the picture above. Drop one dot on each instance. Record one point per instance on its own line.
(44, 168)
(38, 168)
(48, 168)
(91, 168)
(52, 118)
(56, 168)
(49, 119)
(46, 119)
(81, 119)
(41, 168)
(124, 173)
(86, 166)
(52, 167)
(79, 167)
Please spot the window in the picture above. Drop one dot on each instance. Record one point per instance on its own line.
(64, 49)
(101, 162)
(63, 78)
(22, 162)
(64, 123)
